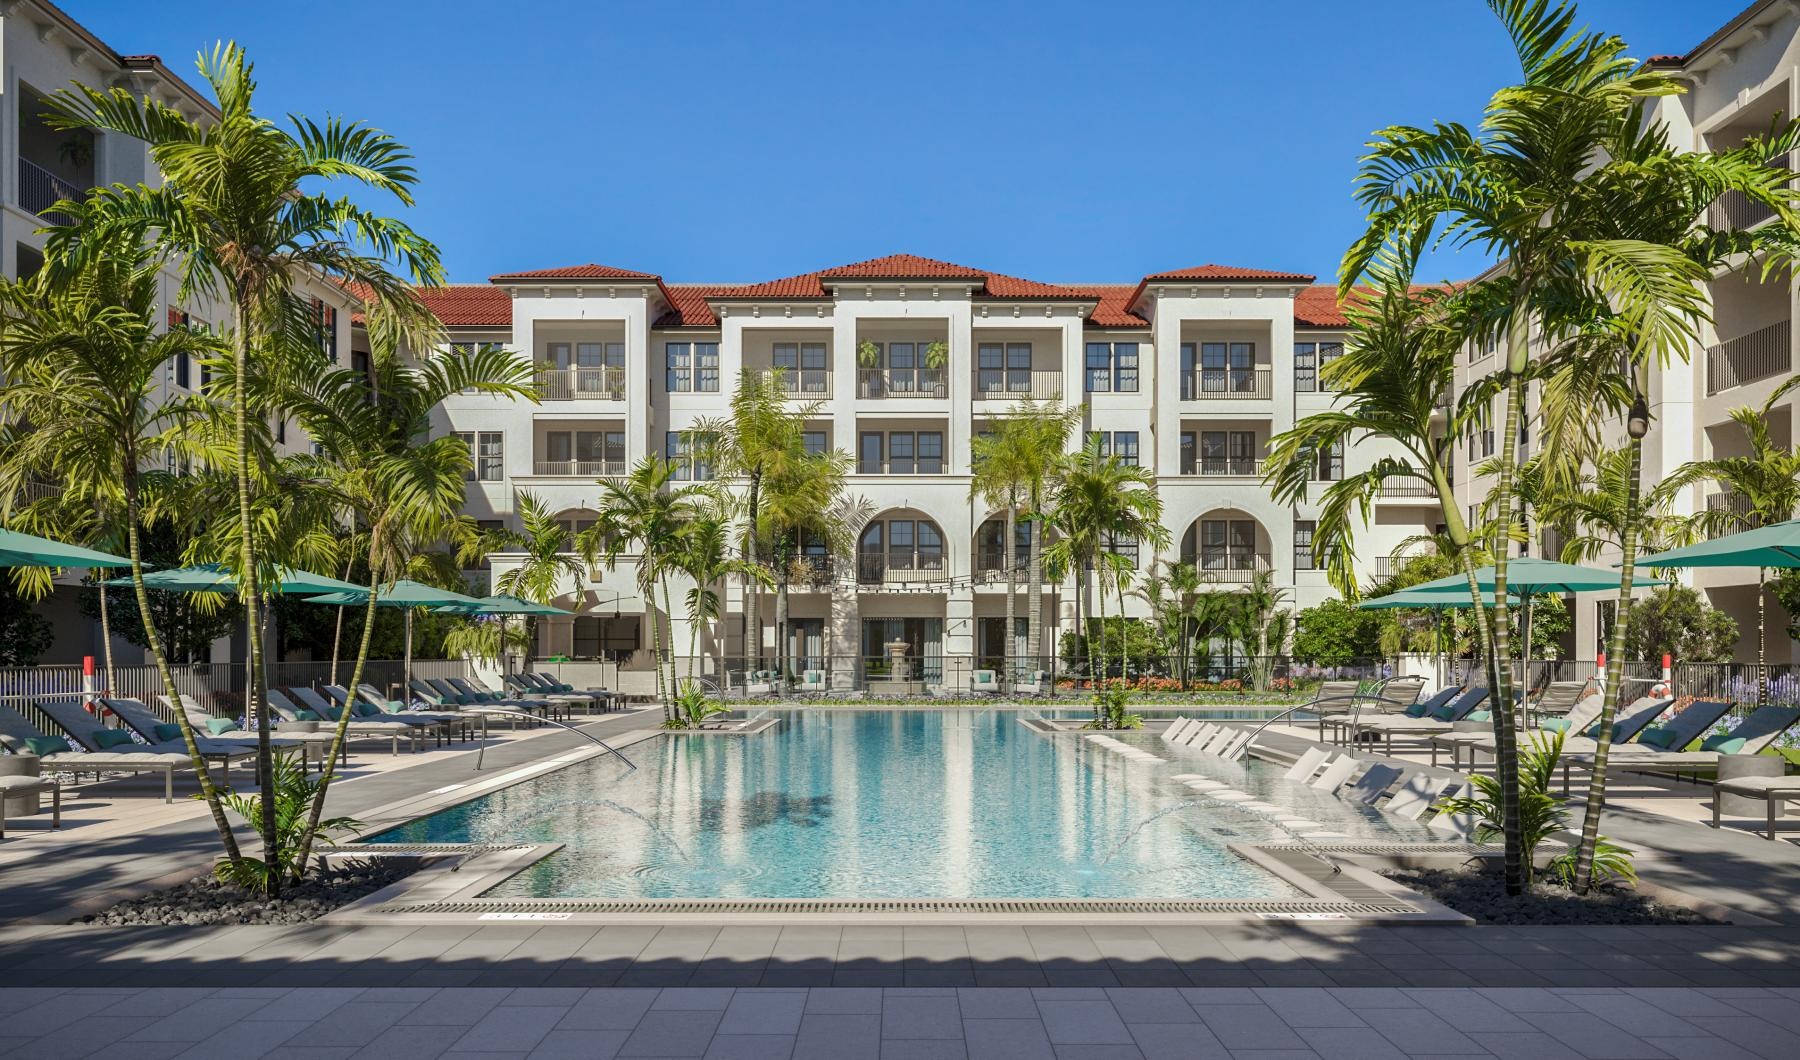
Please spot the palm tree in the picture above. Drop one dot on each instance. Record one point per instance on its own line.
(238, 213)
(804, 502)
(1041, 433)
(706, 560)
(551, 557)
(1761, 488)
(645, 509)
(1260, 622)
(760, 437)
(376, 461)
(83, 407)
(997, 460)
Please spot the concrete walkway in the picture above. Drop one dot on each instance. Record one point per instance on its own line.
(899, 1023)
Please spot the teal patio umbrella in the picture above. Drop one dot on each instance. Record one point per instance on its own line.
(1411, 600)
(502, 605)
(215, 578)
(29, 550)
(405, 594)
(1776, 545)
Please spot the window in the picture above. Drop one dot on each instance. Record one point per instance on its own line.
(899, 545)
(1122, 444)
(691, 367)
(905, 374)
(1189, 458)
(584, 453)
(991, 554)
(487, 454)
(1487, 442)
(1331, 462)
(1303, 544)
(1309, 357)
(1123, 546)
(1225, 545)
(687, 451)
(1223, 368)
(907, 452)
(815, 442)
(803, 367)
(184, 363)
(281, 430)
(325, 328)
(1003, 368)
(1228, 452)
(1112, 367)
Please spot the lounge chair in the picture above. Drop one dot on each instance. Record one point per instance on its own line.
(1440, 720)
(1775, 790)
(1335, 774)
(371, 704)
(20, 736)
(985, 682)
(1577, 718)
(531, 703)
(75, 721)
(1373, 784)
(761, 682)
(549, 683)
(1333, 701)
(17, 787)
(163, 735)
(539, 689)
(1558, 698)
(217, 728)
(1753, 735)
(312, 707)
(812, 683)
(1307, 765)
(1420, 794)
(1038, 684)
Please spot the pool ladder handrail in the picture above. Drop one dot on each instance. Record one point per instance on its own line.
(1355, 700)
(486, 709)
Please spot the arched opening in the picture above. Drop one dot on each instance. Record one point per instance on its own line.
(901, 547)
(1226, 545)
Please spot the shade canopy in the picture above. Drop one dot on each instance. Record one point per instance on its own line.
(503, 605)
(402, 593)
(1527, 574)
(30, 550)
(1415, 601)
(215, 578)
(1766, 546)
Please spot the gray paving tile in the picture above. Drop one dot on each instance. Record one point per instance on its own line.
(1758, 1036)
(1177, 1041)
(580, 1045)
(1098, 1051)
(306, 1052)
(694, 999)
(1008, 1039)
(676, 1033)
(511, 1029)
(1590, 1037)
(1530, 1045)
(760, 1014)
(608, 1008)
(418, 1042)
(359, 1023)
(751, 1047)
(194, 1022)
(843, 1000)
(1076, 1021)
(1347, 1043)
(924, 1049)
(248, 1038)
(838, 1036)
(1637, 1016)
(996, 1003)
(1249, 1027)
(1419, 1031)
(461, 1008)
(1708, 1048)
(1151, 1005)
(129, 1050)
(906, 1016)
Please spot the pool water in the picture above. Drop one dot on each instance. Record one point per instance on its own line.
(888, 804)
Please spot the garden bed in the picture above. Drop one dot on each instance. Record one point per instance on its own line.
(1480, 893)
(204, 900)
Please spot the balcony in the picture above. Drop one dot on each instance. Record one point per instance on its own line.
(901, 570)
(40, 189)
(810, 572)
(1736, 504)
(1761, 354)
(1017, 384)
(802, 384)
(580, 384)
(1406, 488)
(882, 383)
(578, 468)
(1736, 210)
(1231, 568)
(1224, 467)
(990, 567)
(1227, 384)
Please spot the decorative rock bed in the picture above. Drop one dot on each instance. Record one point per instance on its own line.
(1481, 893)
(204, 900)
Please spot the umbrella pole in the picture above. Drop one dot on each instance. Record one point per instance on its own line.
(406, 678)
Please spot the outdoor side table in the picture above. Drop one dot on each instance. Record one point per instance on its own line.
(1736, 767)
(22, 766)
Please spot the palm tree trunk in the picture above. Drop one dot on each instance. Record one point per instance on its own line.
(1506, 749)
(1008, 671)
(1102, 680)
(208, 791)
(668, 611)
(1034, 591)
(343, 723)
(112, 682)
(1609, 698)
(255, 685)
(656, 646)
(337, 632)
(752, 588)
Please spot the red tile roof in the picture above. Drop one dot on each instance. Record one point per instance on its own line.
(1113, 305)
(575, 272)
(469, 305)
(1227, 274)
(903, 267)
(1318, 307)
(688, 305)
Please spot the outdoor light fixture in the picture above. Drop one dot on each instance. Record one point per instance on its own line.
(1637, 423)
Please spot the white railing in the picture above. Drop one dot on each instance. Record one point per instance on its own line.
(803, 384)
(580, 384)
(578, 468)
(1016, 384)
(1227, 384)
(1761, 354)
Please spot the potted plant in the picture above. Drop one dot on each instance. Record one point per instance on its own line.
(868, 354)
(937, 354)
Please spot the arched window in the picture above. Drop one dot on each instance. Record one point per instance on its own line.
(901, 548)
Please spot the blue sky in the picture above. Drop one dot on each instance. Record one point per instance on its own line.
(721, 142)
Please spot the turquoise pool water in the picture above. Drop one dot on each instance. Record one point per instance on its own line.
(886, 804)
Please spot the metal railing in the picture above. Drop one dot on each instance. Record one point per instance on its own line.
(578, 468)
(1230, 466)
(1227, 384)
(990, 566)
(1231, 567)
(40, 189)
(1016, 384)
(218, 687)
(1734, 209)
(901, 570)
(803, 384)
(580, 384)
(1735, 503)
(880, 383)
(1403, 486)
(1761, 354)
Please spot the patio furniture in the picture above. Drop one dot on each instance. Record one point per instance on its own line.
(1406, 726)
(1373, 704)
(1481, 736)
(1038, 684)
(216, 728)
(78, 723)
(1335, 773)
(985, 682)
(1767, 793)
(373, 705)
(1373, 784)
(492, 704)
(1761, 728)
(163, 735)
(550, 688)
(761, 683)
(1307, 764)
(314, 704)
(17, 788)
(1332, 701)
(812, 682)
(20, 736)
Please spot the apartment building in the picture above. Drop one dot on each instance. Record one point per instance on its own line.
(1188, 373)
(44, 50)
(1738, 83)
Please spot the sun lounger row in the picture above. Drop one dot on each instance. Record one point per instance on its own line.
(1207, 737)
(1124, 750)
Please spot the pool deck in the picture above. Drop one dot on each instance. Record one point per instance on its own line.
(806, 989)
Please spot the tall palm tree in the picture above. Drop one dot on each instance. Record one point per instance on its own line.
(551, 558)
(1261, 621)
(375, 460)
(804, 501)
(83, 407)
(1041, 430)
(760, 436)
(239, 213)
(706, 559)
(998, 460)
(646, 509)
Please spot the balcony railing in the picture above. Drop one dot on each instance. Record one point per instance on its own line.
(581, 384)
(40, 189)
(1230, 567)
(1016, 384)
(902, 383)
(803, 384)
(1400, 486)
(1747, 358)
(990, 565)
(1227, 384)
(578, 468)
(1735, 504)
(810, 571)
(1227, 467)
(901, 569)
(1734, 209)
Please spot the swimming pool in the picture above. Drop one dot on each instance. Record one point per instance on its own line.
(889, 804)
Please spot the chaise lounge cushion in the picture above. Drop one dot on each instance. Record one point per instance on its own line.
(221, 726)
(1658, 736)
(168, 732)
(1723, 743)
(106, 739)
(47, 745)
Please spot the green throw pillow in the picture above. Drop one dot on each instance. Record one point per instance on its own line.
(363, 710)
(1658, 736)
(221, 726)
(1479, 715)
(166, 732)
(1724, 743)
(47, 745)
(105, 738)
(307, 715)
(1447, 712)
(1417, 710)
(1554, 725)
